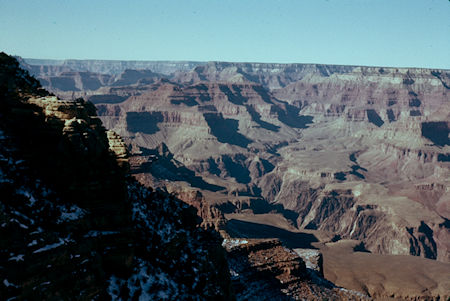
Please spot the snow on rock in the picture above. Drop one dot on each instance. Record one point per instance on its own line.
(13, 220)
(312, 258)
(8, 284)
(26, 193)
(33, 243)
(100, 233)
(146, 284)
(114, 287)
(231, 243)
(17, 258)
(53, 246)
(17, 213)
(175, 264)
(38, 230)
(70, 213)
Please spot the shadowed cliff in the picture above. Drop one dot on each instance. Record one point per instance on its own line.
(74, 225)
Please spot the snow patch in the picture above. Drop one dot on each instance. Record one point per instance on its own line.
(70, 213)
(39, 230)
(145, 284)
(33, 243)
(13, 220)
(114, 287)
(310, 257)
(234, 275)
(165, 231)
(53, 246)
(359, 294)
(8, 284)
(17, 258)
(99, 233)
(231, 243)
(23, 216)
(26, 193)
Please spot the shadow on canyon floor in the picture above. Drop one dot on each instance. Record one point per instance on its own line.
(259, 206)
(163, 166)
(226, 130)
(107, 98)
(292, 240)
(256, 117)
(145, 122)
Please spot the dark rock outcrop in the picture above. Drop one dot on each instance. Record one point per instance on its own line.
(74, 225)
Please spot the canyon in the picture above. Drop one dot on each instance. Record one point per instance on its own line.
(357, 159)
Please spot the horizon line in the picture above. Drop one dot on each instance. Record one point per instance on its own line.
(232, 62)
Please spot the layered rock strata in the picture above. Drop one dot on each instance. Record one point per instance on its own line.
(358, 151)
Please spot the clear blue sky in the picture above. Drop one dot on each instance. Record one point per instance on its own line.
(408, 33)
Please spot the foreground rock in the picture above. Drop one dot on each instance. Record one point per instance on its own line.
(73, 225)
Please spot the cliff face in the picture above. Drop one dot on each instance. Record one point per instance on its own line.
(74, 225)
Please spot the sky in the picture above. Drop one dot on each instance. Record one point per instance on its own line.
(397, 33)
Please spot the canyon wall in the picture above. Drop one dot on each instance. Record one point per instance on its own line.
(358, 151)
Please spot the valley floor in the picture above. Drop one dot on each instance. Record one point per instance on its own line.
(382, 277)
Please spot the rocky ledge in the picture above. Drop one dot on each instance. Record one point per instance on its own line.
(265, 270)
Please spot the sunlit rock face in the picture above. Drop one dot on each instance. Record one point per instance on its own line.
(359, 151)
